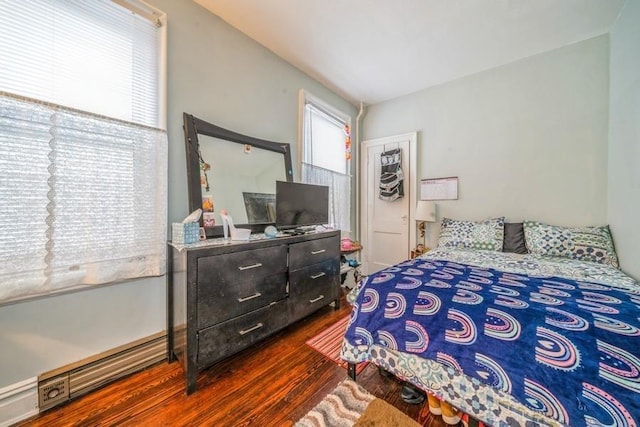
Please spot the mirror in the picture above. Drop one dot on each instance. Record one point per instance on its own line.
(228, 170)
(241, 179)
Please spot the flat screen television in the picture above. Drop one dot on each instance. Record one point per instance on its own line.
(300, 205)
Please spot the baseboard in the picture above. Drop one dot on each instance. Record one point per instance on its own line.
(18, 401)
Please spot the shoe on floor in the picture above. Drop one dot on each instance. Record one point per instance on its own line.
(434, 405)
(450, 415)
(411, 395)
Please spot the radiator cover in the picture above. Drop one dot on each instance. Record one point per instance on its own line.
(73, 380)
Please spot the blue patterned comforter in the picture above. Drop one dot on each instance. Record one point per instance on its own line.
(563, 340)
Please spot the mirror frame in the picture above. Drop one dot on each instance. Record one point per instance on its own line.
(193, 127)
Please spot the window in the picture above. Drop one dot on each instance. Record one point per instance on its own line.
(83, 155)
(326, 154)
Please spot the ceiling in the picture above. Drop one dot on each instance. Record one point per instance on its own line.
(375, 50)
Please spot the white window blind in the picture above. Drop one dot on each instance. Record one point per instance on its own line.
(82, 161)
(324, 156)
(90, 55)
(324, 140)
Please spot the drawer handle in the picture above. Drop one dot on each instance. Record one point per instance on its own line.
(251, 329)
(316, 276)
(248, 267)
(311, 301)
(318, 252)
(256, 295)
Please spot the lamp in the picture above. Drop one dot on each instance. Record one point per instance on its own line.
(425, 212)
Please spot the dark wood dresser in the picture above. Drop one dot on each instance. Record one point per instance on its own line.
(224, 298)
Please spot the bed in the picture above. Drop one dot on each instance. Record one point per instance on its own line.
(548, 336)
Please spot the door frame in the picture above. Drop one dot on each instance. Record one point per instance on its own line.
(410, 182)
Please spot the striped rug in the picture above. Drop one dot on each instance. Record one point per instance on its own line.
(329, 343)
(351, 405)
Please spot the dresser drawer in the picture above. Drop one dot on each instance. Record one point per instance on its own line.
(224, 339)
(312, 299)
(313, 252)
(323, 275)
(243, 265)
(219, 303)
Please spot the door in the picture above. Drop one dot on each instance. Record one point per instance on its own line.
(388, 226)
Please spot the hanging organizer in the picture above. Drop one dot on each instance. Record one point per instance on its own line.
(391, 176)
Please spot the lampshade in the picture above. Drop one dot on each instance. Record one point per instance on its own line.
(425, 211)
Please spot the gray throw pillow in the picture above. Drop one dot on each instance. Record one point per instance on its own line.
(514, 238)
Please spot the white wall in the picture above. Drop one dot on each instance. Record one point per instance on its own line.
(528, 140)
(219, 75)
(624, 138)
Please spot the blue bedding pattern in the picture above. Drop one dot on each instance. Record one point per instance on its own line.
(566, 348)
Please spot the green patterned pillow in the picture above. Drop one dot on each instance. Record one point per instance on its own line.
(583, 243)
(488, 234)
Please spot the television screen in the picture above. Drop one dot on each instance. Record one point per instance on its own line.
(299, 205)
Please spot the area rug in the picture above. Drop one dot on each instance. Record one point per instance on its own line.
(351, 405)
(329, 343)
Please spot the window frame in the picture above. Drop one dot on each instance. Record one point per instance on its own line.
(305, 97)
(308, 98)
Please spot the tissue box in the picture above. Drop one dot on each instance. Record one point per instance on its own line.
(184, 233)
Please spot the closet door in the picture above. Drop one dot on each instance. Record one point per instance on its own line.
(388, 227)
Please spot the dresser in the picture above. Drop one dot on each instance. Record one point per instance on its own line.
(223, 298)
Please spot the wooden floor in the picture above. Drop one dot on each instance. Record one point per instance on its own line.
(273, 384)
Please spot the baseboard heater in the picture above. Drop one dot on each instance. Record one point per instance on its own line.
(70, 381)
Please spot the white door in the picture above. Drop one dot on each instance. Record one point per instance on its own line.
(388, 227)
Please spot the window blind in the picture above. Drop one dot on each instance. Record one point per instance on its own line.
(93, 56)
(83, 165)
(326, 139)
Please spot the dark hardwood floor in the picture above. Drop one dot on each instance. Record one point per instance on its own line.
(273, 384)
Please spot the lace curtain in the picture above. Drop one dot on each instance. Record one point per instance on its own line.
(83, 199)
(339, 192)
